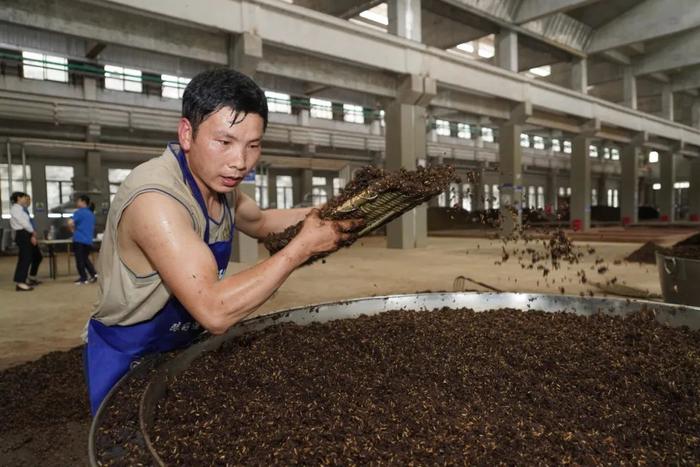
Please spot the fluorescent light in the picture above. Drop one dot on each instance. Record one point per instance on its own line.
(656, 186)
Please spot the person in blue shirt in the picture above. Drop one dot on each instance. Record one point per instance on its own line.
(83, 226)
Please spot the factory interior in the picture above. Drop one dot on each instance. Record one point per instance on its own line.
(570, 134)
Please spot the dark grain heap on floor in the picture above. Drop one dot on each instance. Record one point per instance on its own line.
(44, 412)
(417, 186)
(447, 387)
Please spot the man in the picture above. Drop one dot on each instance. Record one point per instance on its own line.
(83, 227)
(168, 235)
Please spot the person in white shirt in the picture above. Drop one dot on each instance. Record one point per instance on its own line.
(25, 238)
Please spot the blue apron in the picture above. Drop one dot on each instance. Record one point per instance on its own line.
(111, 350)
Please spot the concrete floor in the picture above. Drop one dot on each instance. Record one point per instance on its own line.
(53, 316)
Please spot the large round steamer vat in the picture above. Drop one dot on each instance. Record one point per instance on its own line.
(166, 369)
(680, 279)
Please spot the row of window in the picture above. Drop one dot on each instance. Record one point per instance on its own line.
(533, 196)
(59, 190)
(54, 68)
(284, 190)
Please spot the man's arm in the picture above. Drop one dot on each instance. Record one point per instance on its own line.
(256, 223)
(162, 229)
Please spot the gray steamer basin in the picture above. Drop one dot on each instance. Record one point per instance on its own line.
(680, 279)
(670, 315)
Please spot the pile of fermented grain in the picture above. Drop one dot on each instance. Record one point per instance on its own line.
(445, 387)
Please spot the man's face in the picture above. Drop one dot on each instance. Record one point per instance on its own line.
(221, 154)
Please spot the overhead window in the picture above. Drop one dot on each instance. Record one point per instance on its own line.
(464, 131)
(353, 113)
(524, 140)
(278, 102)
(44, 67)
(321, 109)
(556, 145)
(442, 127)
(487, 134)
(567, 147)
(173, 86)
(118, 78)
(538, 142)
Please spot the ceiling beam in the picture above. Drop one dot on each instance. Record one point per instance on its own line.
(681, 51)
(530, 10)
(444, 32)
(649, 19)
(686, 81)
(340, 8)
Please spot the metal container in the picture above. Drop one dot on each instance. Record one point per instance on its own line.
(671, 315)
(680, 279)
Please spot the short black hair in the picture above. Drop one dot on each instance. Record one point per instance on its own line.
(84, 198)
(15, 196)
(212, 90)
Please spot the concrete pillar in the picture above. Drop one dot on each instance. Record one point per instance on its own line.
(666, 195)
(245, 248)
(695, 113)
(510, 177)
(667, 102)
(579, 75)
(405, 144)
(602, 189)
(507, 50)
(552, 190)
(693, 191)
(245, 52)
(303, 117)
(405, 19)
(41, 215)
(272, 188)
(629, 87)
(306, 185)
(580, 179)
(477, 193)
(629, 186)
(89, 88)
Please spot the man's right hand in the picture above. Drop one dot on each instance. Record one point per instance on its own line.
(319, 236)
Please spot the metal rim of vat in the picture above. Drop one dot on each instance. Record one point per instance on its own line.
(678, 276)
(668, 314)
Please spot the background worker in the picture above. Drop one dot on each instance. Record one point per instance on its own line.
(83, 226)
(29, 257)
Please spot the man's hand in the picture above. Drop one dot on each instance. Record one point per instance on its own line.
(33, 239)
(319, 236)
